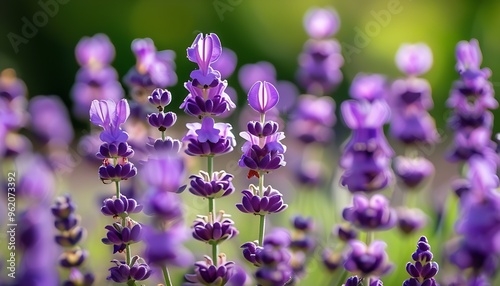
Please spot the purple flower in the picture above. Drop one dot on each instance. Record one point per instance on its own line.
(412, 171)
(123, 170)
(414, 59)
(370, 214)
(119, 235)
(262, 153)
(468, 55)
(11, 87)
(164, 205)
(214, 232)
(313, 119)
(367, 261)
(249, 74)
(119, 207)
(226, 64)
(63, 207)
(305, 224)
(423, 270)
(76, 278)
(165, 172)
(160, 98)
(474, 143)
(473, 92)
(207, 101)
(110, 116)
(366, 171)
(271, 201)
(259, 129)
(263, 96)
(73, 257)
(415, 128)
(122, 272)
(216, 185)
(206, 273)
(164, 247)
(36, 180)
(161, 120)
(410, 95)
(50, 120)
(321, 23)
(345, 232)
(411, 220)
(70, 237)
(204, 51)
(331, 259)
(368, 87)
(95, 52)
(209, 138)
(159, 148)
(114, 150)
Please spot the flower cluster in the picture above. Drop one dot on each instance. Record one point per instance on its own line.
(96, 79)
(70, 235)
(302, 244)
(423, 270)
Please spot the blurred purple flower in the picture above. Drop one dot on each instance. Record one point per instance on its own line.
(312, 119)
(164, 247)
(368, 87)
(321, 23)
(210, 274)
(411, 220)
(50, 120)
(95, 52)
(165, 173)
(468, 55)
(412, 171)
(414, 59)
(11, 86)
(226, 64)
(249, 74)
(36, 180)
(370, 214)
(368, 260)
(122, 272)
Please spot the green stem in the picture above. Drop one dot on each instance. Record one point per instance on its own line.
(163, 135)
(262, 229)
(129, 257)
(131, 282)
(166, 276)
(262, 117)
(211, 209)
(370, 235)
(215, 255)
(342, 278)
(117, 186)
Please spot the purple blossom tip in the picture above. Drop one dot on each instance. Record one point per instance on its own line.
(321, 23)
(368, 87)
(110, 116)
(160, 97)
(468, 55)
(118, 207)
(414, 59)
(94, 52)
(263, 96)
(217, 185)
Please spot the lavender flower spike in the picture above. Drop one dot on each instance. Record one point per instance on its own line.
(468, 55)
(414, 59)
(321, 23)
(110, 116)
(204, 51)
(263, 96)
(423, 270)
(370, 214)
(368, 260)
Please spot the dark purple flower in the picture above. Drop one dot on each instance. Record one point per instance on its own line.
(259, 129)
(321, 23)
(204, 51)
(423, 270)
(94, 52)
(367, 171)
(262, 153)
(411, 220)
(11, 87)
(412, 171)
(164, 247)
(207, 101)
(263, 96)
(161, 120)
(279, 275)
(209, 138)
(216, 185)
(345, 232)
(63, 207)
(271, 201)
(370, 214)
(76, 278)
(367, 261)
(352, 281)
(305, 224)
(114, 150)
(469, 144)
(160, 98)
(119, 235)
(214, 232)
(67, 223)
(119, 207)
(122, 272)
(415, 128)
(206, 273)
(313, 119)
(110, 116)
(473, 92)
(251, 253)
(50, 120)
(410, 95)
(73, 257)
(164, 205)
(414, 59)
(369, 87)
(123, 170)
(70, 237)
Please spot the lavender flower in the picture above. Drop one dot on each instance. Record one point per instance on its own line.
(50, 120)
(118, 207)
(110, 116)
(411, 220)
(367, 260)
(122, 272)
(271, 201)
(206, 273)
(321, 23)
(370, 214)
(412, 171)
(209, 138)
(262, 97)
(423, 270)
(226, 63)
(95, 52)
(414, 59)
(217, 185)
(214, 232)
(331, 259)
(164, 247)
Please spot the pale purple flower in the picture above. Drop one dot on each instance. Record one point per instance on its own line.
(165, 172)
(110, 116)
(11, 86)
(250, 73)
(165, 247)
(263, 96)
(204, 51)
(368, 87)
(368, 260)
(95, 52)
(211, 101)
(226, 64)
(50, 120)
(313, 119)
(202, 139)
(411, 220)
(370, 214)
(414, 59)
(321, 23)
(468, 55)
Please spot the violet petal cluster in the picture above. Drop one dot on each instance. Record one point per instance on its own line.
(370, 213)
(209, 138)
(217, 185)
(423, 270)
(206, 273)
(271, 201)
(122, 273)
(367, 260)
(214, 232)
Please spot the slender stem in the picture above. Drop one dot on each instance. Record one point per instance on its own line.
(262, 117)
(117, 186)
(370, 235)
(211, 209)
(342, 278)
(215, 253)
(166, 276)
(131, 282)
(129, 256)
(163, 135)
(262, 229)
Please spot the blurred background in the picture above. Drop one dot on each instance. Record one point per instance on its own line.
(257, 30)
